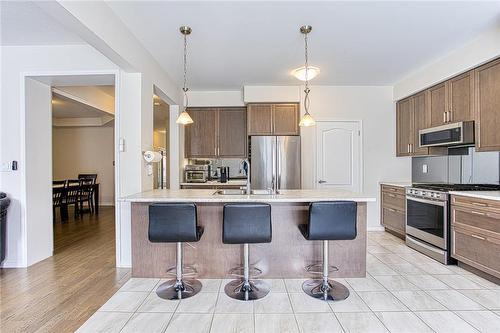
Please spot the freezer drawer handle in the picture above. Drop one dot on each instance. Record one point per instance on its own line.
(321, 181)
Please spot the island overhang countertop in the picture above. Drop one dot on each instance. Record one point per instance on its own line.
(211, 196)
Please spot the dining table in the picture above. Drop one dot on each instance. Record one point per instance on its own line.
(95, 198)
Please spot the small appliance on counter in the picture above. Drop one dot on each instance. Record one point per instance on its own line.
(224, 174)
(197, 173)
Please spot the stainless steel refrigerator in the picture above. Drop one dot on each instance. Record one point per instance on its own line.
(275, 162)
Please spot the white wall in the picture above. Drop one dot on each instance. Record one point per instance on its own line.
(216, 98)
(38, 235)
(480, 50)
(376, 110)
(78, 150)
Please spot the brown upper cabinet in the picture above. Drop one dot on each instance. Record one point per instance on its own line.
(216, 132)
(451, 101)
(273, 119)
(411, 116)
(487, 106)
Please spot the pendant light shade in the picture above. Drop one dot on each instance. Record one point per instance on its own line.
(300, 73)
(184, 118)
(307, 120)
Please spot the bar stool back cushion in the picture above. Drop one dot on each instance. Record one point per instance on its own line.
(173, 222)
(331, 220)
(247, 223)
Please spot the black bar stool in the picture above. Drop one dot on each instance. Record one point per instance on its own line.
(175, 223)
(333, 220)
(246, 223)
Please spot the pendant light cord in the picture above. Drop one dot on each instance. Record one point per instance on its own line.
(306, 90)
(185, 88)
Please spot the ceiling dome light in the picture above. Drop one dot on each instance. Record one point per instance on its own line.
(300, 73)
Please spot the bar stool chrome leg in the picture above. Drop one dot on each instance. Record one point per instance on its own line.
(325, 289)
(245, 290)
(178, 288)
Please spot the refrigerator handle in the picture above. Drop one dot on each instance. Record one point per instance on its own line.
(274, 162)
(278, 165)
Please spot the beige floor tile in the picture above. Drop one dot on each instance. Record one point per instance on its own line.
(418, 300)
(458, 282)
(390, 258)
(382, 301)
(380, 269)
(403, 322)
(226, 304)
(301, 302)
(490, 299)
(294, 285)
(483, 282)
(153, 303)
(426, 282)
(105, 322)
(445, 322)
(190, 323)
(276, 285)
(126, 301)
(377, 249)
(318, 323)
(362, 322)
(200, 303)
(365, 284)
(140, 284)
(453, 300)
(273, 303)
(210, 285)
(433, 268)
(484, 321)
(353, 303)
(407, 269)
(147, 322)
(232, 323)
(395, 282)
(275, 323)
(458, 270)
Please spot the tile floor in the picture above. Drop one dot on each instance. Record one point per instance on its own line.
(403, 291)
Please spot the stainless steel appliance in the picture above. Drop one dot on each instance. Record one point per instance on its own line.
(196, 173)
(461, 133)
(427, 217)
(275, 162)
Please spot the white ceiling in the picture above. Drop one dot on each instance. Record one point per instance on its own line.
(354, 43)
(65, 107)
(24, 23)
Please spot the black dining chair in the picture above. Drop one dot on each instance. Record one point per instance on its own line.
(72, 194)
(86, 194)
(58, 194)
(92, 176)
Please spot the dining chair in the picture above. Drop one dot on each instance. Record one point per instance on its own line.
(86, 194)
(58, 194)
(73, 194)
(92, 176)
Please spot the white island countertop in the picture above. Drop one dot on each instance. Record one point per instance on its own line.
(487, 195)
(209, 196)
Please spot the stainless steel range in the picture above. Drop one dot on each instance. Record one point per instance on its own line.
(427, 217)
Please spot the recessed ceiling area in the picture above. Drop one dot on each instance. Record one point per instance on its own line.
(354, 43)
(24, 23)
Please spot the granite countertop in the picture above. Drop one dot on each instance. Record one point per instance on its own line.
(488, 195)
(231, 182)
(284, 196)
(397, 184)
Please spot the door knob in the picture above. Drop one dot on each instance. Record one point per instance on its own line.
(321, 181)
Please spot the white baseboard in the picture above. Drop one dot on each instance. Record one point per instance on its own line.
(12, 264)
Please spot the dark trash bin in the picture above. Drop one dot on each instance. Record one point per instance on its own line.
(4, 204)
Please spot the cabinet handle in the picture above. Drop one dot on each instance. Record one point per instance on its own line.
(411, 148)
(391, 195)
(444, 117)
(479, 204)
(478, 213)
(478, 237)
(391, 210)
(449, 116)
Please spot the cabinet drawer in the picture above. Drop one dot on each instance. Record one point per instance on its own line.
(394, 219)
(393, 189)
(476, 203)
(393, 200)
(477, 250)
(486, 221)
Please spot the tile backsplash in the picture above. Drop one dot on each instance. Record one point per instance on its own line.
(470, 168)
(234, 164)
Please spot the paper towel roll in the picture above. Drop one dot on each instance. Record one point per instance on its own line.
(152, 156)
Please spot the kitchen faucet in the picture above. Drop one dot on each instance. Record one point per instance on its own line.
(247, 162)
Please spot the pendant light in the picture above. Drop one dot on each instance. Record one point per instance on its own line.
(307, 120)
(184, 118)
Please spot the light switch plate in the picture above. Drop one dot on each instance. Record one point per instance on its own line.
(425, 168)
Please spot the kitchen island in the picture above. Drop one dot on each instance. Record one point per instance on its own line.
(285, 257)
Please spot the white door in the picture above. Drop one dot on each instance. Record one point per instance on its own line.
(338, 160)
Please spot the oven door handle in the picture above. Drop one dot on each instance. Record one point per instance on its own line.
(431, 202)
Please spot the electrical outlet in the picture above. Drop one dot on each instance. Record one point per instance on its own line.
(425, 168)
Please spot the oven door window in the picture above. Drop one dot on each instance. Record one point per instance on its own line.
(425, 217)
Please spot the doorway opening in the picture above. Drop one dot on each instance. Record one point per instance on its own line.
(161, 142)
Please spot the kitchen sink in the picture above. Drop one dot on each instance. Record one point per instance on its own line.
(244, 192)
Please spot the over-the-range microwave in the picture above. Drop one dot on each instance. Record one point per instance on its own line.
(455, 134)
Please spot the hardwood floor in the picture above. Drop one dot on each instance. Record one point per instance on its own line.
(60, 293)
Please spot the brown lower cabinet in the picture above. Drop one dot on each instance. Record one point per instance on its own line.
(393, 209)
(475, 233)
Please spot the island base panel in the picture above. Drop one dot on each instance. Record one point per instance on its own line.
(285, 257)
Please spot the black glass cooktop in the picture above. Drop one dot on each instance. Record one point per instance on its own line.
(458, 187)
